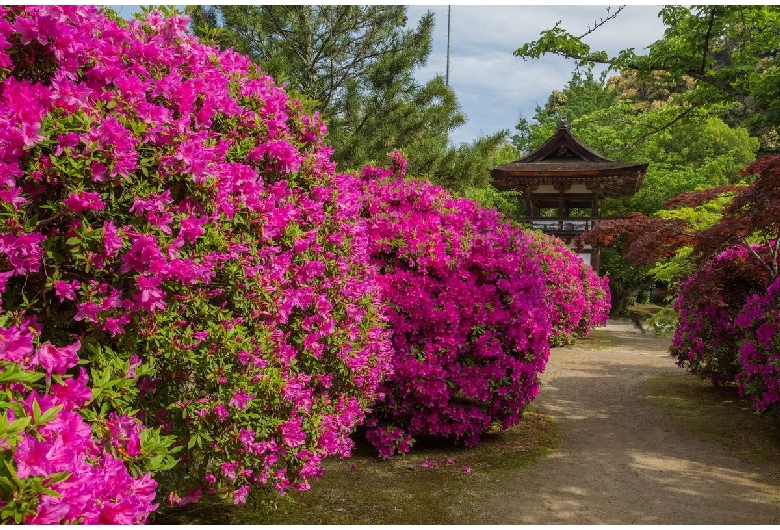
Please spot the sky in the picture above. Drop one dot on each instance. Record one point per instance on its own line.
(494, 87)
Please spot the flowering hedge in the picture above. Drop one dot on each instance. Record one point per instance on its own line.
(467, 310)
(706, 340)
(580, 300)
(170, 210)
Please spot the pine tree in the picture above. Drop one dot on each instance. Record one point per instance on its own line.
(356, 65)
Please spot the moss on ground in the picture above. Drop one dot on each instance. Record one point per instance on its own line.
(718, 414)
(364, 489)
(598, 339)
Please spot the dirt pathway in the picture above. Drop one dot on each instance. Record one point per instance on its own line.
(620, 461)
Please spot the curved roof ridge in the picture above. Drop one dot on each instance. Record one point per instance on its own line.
(564, 146)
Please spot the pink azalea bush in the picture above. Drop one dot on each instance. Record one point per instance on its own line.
(709, 303)
(580, 300)
(729, 324)
(759, 353)
(466, 306)
(173, 212)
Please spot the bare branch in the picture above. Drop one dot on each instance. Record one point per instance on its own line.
(598, 23)
(43, 222)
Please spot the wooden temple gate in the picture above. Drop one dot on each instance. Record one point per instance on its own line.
(563, 182)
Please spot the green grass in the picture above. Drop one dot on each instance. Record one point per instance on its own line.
(645, 311)
(718, 414)
(367, 490)
(598, 339)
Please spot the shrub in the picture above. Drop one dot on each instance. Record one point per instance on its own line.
(759, 353)
(579, 299)
(706, 340)
(466, 306)
(173, 210)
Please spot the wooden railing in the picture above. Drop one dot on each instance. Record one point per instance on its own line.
(573, 224)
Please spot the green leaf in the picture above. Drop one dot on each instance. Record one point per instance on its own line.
(36, 409)
(12, 373)
(48, 415)
(19, 424)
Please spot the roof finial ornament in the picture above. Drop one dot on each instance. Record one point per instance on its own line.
(563, 122)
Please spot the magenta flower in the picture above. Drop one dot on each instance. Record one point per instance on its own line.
(82, 200)
(144, 255)
(150, 297)
(23, 251)
(56, 360)
(292, 434)
(239, 495)
(192, 228)
(241, 399)
(221, 411)
(281, 152)
(66, 290)
(229, 469)
(112, 243)
(32, 457)
(74, 392)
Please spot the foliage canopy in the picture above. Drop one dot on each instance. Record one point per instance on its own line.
(730, 53)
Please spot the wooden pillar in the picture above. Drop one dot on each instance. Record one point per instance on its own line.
(595, 252)
(561, 188)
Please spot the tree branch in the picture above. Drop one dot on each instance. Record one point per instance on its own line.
(770, 272)
(655, 130)
(598, 23)
(707, 40)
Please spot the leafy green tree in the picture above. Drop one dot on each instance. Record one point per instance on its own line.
(356, 66)
(583, 95)
(690, 156)
(730, 53)
(629, 124)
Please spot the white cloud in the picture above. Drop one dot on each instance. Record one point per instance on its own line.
(492, 85)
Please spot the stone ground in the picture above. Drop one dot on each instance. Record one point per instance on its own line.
(620, 461)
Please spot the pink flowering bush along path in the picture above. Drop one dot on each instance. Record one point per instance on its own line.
(580, 299)
(729, 310)
(759, 354)
(467, 310)
(185, 283)
(707, 335)
(729, 325)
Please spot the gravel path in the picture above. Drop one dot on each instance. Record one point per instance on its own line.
(620, 461)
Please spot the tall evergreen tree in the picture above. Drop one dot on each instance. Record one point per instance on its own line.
(356, 64)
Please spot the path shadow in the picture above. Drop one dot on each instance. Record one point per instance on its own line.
(621, 461)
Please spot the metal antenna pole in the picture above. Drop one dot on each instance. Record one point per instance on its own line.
(449, 16)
